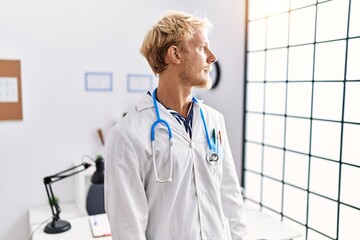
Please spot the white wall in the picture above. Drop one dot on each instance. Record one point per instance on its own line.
(57, 42)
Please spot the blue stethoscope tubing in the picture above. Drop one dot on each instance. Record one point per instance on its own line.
(213, 157)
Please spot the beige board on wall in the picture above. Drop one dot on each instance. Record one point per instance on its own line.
(10, 90)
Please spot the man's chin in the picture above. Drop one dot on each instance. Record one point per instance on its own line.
(206, 85)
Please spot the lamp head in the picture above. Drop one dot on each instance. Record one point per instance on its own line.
(98, 176)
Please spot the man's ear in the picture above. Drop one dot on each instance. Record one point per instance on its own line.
(173, 54)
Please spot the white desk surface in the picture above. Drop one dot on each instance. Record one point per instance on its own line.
(260, 226)
(80, 229)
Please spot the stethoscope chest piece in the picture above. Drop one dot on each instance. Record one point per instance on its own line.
(213, 158)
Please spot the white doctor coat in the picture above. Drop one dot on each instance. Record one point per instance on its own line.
(202, 202)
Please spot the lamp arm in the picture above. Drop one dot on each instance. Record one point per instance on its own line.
(59, 176)
(55, 208)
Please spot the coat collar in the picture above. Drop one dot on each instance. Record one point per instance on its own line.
(146, 102)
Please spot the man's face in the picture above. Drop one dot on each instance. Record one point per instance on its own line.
(196, 61)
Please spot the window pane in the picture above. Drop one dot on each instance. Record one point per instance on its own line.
(275, 98)
(329, 61)
(256, 66)
(277, 32)
(324, 177)
(277, 6)
(312, 235)
(276, 62)
(254, 97)
(299, 99)
(253, 154)
(274, 130)
(349, 222)
(352, 99)
(322, 215)
(326, 139)
(297, 134)
(301, 3)
(301, 62)
(273, 162)
(327, 103)
(257, 9)
(295, 202)
(302, 25)
(355, 19)
(332, 20)
(256, 35)
(351, 140)
(297, 226)
(272, 192)
(353, 69)
(350, 178)
(252, 186)
(296, 169)
(254, 124)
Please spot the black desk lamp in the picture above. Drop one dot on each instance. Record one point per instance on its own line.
(57, 225)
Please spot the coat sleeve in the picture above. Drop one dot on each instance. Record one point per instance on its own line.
(231, 197)
(125, 199)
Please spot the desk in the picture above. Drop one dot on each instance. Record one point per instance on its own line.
(260, 226)
(80, 229)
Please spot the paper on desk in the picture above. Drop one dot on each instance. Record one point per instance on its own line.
(100, 226)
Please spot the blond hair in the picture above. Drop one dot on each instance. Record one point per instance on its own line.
(174, 28)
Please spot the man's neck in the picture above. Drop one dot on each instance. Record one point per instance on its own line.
(175, 97)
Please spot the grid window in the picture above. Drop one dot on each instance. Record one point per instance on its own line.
(330, 61)
(277, 6)
(257, 35)
(254, 99)
(355, 19)
(274, 130)
(352, 111)
(332, 20)
(275, 98)
(253, 186)
(254, 156)
(324, 171)
(297, 134)
(272, 193)
(323, 215)
(295, 203)
(273, 162)
(277, 31)
(256, 66)
(327, 102)
(351, 140)
(299, 99)
(294, 4)
(302, 114)
(326, 139)
(297, 57)
(276, 65)
(296, 169)
(349, 222)
(350, 176)
(302, 27)
(353, 69)
(254, 127)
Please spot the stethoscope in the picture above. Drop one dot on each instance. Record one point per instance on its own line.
(212, 157)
